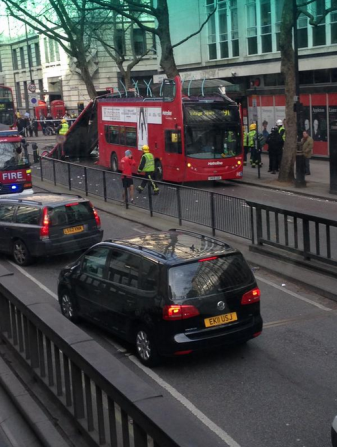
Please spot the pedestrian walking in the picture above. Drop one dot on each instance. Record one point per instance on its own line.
(35, 127)
(147, 166)
(307, 144)
(275, 147)
(127, 163)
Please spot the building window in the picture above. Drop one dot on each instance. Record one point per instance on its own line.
(22, 57)
(120, 41)
(15, 60)
(318, 32)
(139, 41)
(57, 51)
(18, 94)
(251, 27)
(333, 21)
(302, 32)
(37, 54)
(51, 50)
(223, 35)
(1, 69)
(278, 18)
(265, 14)
(322, 76)
(30, 59)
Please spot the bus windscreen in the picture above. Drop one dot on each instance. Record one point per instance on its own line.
(7, 112)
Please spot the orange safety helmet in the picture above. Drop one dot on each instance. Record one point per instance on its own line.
(252, 126)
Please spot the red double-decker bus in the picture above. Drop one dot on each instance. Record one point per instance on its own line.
(193, 137)
(7, 109)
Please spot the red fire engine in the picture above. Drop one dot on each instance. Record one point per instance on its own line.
(15, 172)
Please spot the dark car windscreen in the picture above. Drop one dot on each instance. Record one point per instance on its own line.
(200, 279)
(70, 214)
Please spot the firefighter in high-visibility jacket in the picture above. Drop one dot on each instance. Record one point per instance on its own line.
(254, 145)
(62, 129)
(229, 147)
(147, 166)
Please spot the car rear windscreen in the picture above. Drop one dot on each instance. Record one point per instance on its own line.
(70, 214)
(203, 278)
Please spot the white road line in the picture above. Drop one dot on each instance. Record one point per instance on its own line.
(197, 413)
(294, 294)
(38, 283)
(139, 231)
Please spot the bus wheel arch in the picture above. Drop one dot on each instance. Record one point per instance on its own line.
(158, 171)
(114, 162)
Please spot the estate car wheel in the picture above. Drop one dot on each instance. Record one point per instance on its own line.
(68, 308)
(114, 163)
(158, 170)
(146, 349)
(21, 253)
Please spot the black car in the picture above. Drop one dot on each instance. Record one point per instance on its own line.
(168, 293)
(44, 224)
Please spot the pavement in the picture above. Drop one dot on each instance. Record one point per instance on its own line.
(18, 423)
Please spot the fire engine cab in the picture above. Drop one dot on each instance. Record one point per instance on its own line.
(15, 171)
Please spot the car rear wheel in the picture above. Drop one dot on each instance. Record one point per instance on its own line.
(68, 308)
(114, 163)
(21, 253)
(145, 346)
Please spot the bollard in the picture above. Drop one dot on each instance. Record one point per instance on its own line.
(35, 153)
(300, 170)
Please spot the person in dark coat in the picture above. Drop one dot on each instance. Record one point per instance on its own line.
(275, 147)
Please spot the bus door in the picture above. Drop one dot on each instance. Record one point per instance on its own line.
(174, 161)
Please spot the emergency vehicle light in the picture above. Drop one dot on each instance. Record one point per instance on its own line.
(14, 187)
(9, 133)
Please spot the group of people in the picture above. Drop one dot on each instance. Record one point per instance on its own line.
(253, 143)
(146, 165)
(27, 126)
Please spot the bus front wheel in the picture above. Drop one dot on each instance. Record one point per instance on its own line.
(114, 163)
(158, 170)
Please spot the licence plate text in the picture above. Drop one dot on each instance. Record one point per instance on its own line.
(220, 319)
(216, 177)
(73, 230)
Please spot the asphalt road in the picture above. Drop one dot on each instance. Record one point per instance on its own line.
(280, 390)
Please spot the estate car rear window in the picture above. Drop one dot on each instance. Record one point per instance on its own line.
(70, 214)
(209, 277)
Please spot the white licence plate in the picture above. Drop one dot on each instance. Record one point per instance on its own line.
(217, 177)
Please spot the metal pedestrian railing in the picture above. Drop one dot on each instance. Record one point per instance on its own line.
(309, 236)
(110, 404)
(216, 211)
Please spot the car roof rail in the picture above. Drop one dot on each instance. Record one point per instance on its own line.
(13, 199)
(140, 247)
(201, 236)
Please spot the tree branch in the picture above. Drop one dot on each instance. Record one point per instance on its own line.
(199, 30)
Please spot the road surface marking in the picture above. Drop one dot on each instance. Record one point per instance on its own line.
(193, 409)
(291, 320)
(294, 294)
(38, 283)
(139, 231)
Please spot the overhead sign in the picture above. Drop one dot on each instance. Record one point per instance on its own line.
(32, 88)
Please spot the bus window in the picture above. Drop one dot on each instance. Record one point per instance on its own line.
(131, 136)
(111, 134)
(173, 141)
(212, 142)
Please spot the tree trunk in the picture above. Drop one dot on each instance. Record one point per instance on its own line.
(167, 61)
(87, 79)
(288, 69)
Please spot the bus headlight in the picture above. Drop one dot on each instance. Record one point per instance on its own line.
(239, 163)
(189, 165)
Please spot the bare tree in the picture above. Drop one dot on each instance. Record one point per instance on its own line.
(64, 21)
(112, 34)
(288, 69)
(135, 10)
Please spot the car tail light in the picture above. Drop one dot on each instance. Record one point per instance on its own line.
(72, 204)
(208, 259)
(253, 296)
(177, 312)
(44, 230)
(97, 218)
